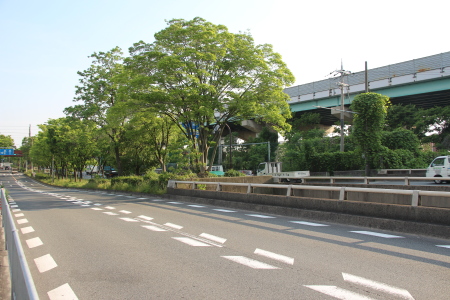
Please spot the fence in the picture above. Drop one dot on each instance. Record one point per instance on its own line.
(22, 285)
(415, 194)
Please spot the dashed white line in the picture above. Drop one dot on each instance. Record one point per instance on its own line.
(444, 246)
(224, 210)
(308, 223)
(153, 228)
(19, 215)
(193, 205)
(63, 292)
(22, 221)
(129, 219)
(383, 235)
(96, 208)
(26, 230)
(191, 242)
(111, 213)
(109, 207)
(337, 292)
(379, 286)
(260, 216)
(174, 225)
(275, 256)
(213, 238)
(45, 263)
(174, 202)
(125, 211)
(250, 262)
(34, 242)
(145, 217)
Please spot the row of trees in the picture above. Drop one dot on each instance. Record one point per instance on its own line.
(169, 101)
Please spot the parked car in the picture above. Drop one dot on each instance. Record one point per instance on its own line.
(110, 172)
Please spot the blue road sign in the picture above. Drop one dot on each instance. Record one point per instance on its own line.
(6, 151)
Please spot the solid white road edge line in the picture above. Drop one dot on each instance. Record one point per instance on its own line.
(383, 235)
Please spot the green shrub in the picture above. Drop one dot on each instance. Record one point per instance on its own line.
(130, 180)
(233, 173)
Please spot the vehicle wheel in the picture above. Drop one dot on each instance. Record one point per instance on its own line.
(438, 181)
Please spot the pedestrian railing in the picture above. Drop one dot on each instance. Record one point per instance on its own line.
(415, 194)
(367, 180)
(22, 285)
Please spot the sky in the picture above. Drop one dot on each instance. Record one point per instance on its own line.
(43, 44)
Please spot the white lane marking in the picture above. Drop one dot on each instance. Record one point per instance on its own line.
(110, 213)
(191, 242)
(153, 228)
(97, 204)
(145, 217)
(45, 263)
(260, 216)
(22, 221)
(338, 293)
(96, 208)
(142, 198)
(130, 197)
(14, 205)
(63, 292)
(213, 238)
(196, 205)
(174, 225)
(275, 256)
(224, 210)
(118, 195)
(26, 230)
(129, 219)
(250, 262)
(174, 202)
(16, 210)
(125, 211)
(109, 207)
(379, 286)
(157, 200)
(444, 246)
(19, 215)
(308, 223)
(34, 242)
(383, 235)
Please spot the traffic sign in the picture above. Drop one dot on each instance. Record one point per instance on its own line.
(6, 151)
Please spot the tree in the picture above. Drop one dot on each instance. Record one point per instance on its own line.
(6, 141)
(101, 90)
(368, 123)
(202, 77)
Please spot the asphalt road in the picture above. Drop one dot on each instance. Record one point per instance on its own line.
(92, 245)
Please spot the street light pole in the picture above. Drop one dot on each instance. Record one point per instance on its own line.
(231, 140)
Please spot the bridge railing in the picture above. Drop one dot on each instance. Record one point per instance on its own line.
(415, 194)
(22, 285)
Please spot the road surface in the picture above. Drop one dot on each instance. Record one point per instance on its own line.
(101, 245)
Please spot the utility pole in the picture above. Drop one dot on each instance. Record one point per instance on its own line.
(341, 84)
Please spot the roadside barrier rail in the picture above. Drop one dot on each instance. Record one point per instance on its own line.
(22, 284)
(415, 194)
(367, 180)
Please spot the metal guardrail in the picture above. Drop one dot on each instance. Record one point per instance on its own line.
(415, 194)
(367, 180)
(22, 284)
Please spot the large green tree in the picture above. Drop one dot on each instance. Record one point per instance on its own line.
(103, 95)
(368, 123)
(202, 77)
(6, 141)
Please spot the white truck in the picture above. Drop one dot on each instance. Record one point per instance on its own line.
(439, 167)
(274, 169)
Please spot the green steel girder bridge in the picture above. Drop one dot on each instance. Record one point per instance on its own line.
(424, 82)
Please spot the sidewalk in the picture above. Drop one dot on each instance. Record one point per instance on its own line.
(5, 282)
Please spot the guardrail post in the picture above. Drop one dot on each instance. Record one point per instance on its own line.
(219, 187)
(415, 198)
(342, 194)
(193, 185)
(406, 180)
(289, 190)
(331, 180)
(249, 189)
(366, 180)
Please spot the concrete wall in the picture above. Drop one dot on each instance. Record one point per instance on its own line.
(406, 218)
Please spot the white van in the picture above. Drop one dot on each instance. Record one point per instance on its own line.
(439, 167)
